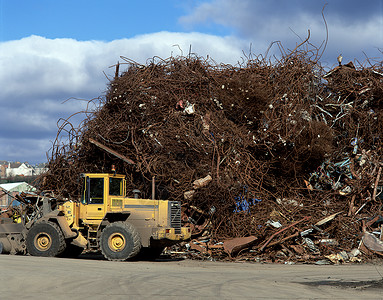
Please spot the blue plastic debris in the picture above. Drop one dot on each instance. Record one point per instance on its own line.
(242, 203)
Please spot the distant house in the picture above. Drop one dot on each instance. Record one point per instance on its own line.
(4, 165)
(13, 189)
(23, 169)
(20, 169)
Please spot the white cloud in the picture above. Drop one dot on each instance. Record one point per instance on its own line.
(39, 65)
(43, 66)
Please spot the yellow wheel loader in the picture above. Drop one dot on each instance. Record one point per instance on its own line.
(104, 219)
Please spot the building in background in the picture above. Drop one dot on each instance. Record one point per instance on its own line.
(13, 169)
(11, 190)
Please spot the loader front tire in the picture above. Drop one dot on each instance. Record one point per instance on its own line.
(120, 241)
(45, 239)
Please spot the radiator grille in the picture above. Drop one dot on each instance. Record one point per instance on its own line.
(117, 203)
(175, 216)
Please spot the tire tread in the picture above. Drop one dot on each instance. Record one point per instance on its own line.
(130, 229)
(61, 240)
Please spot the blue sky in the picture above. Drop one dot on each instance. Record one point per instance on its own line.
(96, 20)
(51, 51)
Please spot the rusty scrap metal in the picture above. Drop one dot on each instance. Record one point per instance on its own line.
(282, 136)
(261, 248)
(235, 245)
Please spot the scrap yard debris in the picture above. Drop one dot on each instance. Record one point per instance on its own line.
(273, 160)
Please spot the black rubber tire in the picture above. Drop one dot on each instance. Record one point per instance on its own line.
(45, 239)
(120, 241)
(71, 251)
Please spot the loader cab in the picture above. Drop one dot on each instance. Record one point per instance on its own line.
(98, 190)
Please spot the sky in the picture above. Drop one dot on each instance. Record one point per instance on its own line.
(55, 56)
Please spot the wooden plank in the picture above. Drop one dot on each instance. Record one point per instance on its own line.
(110, 151)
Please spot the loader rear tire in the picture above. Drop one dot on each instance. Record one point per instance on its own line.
(120, 241)
(45, 239)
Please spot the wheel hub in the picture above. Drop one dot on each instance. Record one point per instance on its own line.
(116, 242)
(43, 241)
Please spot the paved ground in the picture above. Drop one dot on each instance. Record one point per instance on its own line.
(26, 277)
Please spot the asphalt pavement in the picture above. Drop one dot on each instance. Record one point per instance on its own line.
(27, 277)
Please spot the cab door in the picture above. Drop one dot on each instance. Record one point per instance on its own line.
(94, 197)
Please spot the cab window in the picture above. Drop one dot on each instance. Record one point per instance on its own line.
(115, 186)
(95, 188)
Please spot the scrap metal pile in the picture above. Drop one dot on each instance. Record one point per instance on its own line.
(273, 160)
